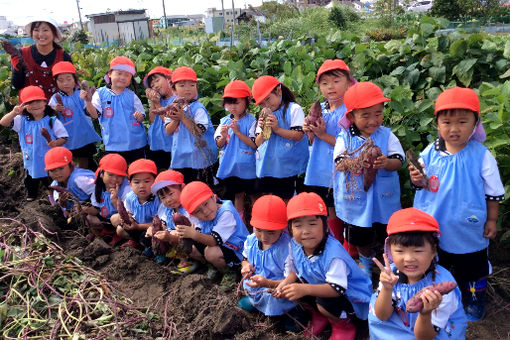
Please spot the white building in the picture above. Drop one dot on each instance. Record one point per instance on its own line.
(230, 14)
(121, 26)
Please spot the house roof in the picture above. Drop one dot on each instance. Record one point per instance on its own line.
(126, 12)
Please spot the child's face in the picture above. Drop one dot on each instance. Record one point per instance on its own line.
(111, 181)
(120, 79)
(333, 87)
(456, 127)
(36, 108)
(43, 35)
(273, 101)
(267, 237)
(141, 184)
(207, 210)
(413, 261)
(308, 231)
(186, 89)
(66, 82)
(60, 174)
(171, 197)
(238, 107)
(161, 84)
(368, 119)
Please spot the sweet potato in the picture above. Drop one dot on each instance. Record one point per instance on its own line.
(415, 304)
(152, 93)
(162, 111)
(90, 90)
(46, 134)
(58, 188)
(10, 49)
(159, 247)
(58, 98)
(124, 215)
(370, 156)
(186, 243)
(313, 115)
(412, 159)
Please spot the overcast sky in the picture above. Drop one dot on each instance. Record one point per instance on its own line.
(21, 11)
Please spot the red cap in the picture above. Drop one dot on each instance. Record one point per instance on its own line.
(411, 219)
(31, 93)
(157, 70)
(57, 157)
(262, 87)
(458, 98)
(183, 73)
(306, 204)
(63, 67)
(142, 165)
(194, 194)
(113, 163)
(166, 178)
(362, 95)
(269, 213)
(122, 64)
(331, 64)
(236, 89)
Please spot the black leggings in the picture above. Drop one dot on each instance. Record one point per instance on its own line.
(32, 185)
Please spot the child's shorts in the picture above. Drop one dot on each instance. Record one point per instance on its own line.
(335, 306)
(325, 193)
(465, 267)
(230, 257)
(234, 185)
(160, 157)
(86, 151)
(362, 237)
(283, 187)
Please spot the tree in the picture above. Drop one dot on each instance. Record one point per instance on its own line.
(341, 16)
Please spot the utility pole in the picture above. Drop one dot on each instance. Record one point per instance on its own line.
(223, 13)
(79, 13)
(233, 24)
(164, 13)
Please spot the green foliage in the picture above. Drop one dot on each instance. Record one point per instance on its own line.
(388, 10)
(80, 37)
(455, 9)
(343, 16)
(276, 11)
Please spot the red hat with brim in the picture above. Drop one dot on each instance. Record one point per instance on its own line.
(113, 163)
(269, 212)
(458, 98)
(362, 95)
(306, 204)
(184, 73)
(411, 219)
(236, 89)
(166, 178)
(262, 87)
(123, 64)
(142, 165)
(330, 65)
(57, 157)
(30, 94)
(63, 67)
(194, 194)
(165, 71)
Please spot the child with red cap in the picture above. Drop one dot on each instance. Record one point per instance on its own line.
(219, 239)
(140, 203)
(462, 192)
(330, 283)
(333, 78)
(409, 266)
(28, 118)
(111, 185)
(264, 255)
(282, 152)
(366, 210)
(168, 186)
(194, 152)
(76, 104)
(158, 89)
(121, 112)
(235, 136)
(78, 182)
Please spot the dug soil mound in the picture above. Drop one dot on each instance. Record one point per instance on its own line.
(191, 306)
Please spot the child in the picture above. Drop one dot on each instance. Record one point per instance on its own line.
(111, 184)
(221, 235)
(82, 136)
(236, 137)
(27, 119)
(463, 193)
(121, 112)
(194, 152)
(78, 182)
(282, 157)
(168, 186)
(412, 247)
(140, 203)
(366, 212)
(330, 281)
(334, 78)
(159, 92)
(264, 257)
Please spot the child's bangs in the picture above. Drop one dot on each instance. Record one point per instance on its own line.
(336, 73)
(413, 239)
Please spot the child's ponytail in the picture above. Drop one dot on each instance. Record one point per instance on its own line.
(100, 187)
(287, 98)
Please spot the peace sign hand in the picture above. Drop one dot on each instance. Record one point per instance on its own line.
(387, 278)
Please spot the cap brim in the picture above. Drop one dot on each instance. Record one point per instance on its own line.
(373, 101)
(266, 225)
(161, 184)
(451, 106)
(55, 165)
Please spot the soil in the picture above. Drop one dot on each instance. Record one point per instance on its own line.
(193, 306)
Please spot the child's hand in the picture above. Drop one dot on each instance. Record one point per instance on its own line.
(59, 108)
(148, 233)
(278, 292)
(161, 235)
(132, 226)
(257, 281)
(185, 231)
(235, 126)
(431, 300)
(490, 229)
(262, 122)
(272, 122)
(387, 278)
(176, 113)
(319, 129)
(224, 130)
(83, 95)
(138, 116)
(63, 198)
(53, 143)
(416, 177)
(381, 162)
(152, 95)
(18, 109)
(293, 291)
(114, 192)
(246, 268)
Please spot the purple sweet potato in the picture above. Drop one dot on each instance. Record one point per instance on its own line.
(46, 134)
(369, 173)
(58, 189)
(90, 90)
(415, 304)
(58, 98)
(313, 115)
(124, 215)
(159, 247)
(186, 243)
(10, 49)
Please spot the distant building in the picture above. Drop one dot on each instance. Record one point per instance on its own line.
(230, 14)
(4, 23)
(121, 26)
(251, 14)
(181, 20)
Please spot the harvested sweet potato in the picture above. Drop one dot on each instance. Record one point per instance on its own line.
(150, 93)
(369, 155)
(163, 111)
(124, 215)
(58, 98)
(313, 115)
(90, 90)
(266, 131)
(415, 304)
(10, 49)
(412, 159)
(46, 134)
(186, 243)
(159, 247)
(58, 188)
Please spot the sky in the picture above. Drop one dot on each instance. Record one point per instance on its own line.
(21, 12)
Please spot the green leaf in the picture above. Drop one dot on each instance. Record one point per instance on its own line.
(506, 51)
(458, 48)
(287, 68)
(438, 73)
(464, 70)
